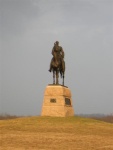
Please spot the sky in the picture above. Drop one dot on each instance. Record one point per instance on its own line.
(28, 30)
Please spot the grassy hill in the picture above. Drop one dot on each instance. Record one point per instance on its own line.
(54, 133)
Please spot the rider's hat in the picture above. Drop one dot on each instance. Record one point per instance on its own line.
(57, 42)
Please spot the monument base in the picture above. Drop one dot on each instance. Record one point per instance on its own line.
(57, 101)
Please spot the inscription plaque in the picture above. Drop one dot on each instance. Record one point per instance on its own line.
(67, 101)
(53, 100)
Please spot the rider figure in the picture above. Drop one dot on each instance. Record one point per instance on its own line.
(58, 50)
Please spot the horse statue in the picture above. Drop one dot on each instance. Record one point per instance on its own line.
(57, 64)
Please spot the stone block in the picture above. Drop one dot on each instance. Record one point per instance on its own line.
(57, 101)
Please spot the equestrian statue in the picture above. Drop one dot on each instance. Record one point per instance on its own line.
(57, 64)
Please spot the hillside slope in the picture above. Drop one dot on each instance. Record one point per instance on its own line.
(54, 133)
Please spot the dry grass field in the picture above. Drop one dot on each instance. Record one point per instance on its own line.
(54, 133)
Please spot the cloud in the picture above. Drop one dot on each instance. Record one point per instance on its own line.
(18, 17)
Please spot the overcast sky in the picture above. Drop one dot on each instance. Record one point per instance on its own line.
(28, 30)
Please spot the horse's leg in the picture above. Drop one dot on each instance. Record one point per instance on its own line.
(63, 79)
(53, 77)
(63, 70)
(57, 76)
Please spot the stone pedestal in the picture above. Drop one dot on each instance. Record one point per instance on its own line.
(57, 101)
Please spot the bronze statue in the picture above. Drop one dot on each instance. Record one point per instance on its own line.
(57, 62)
